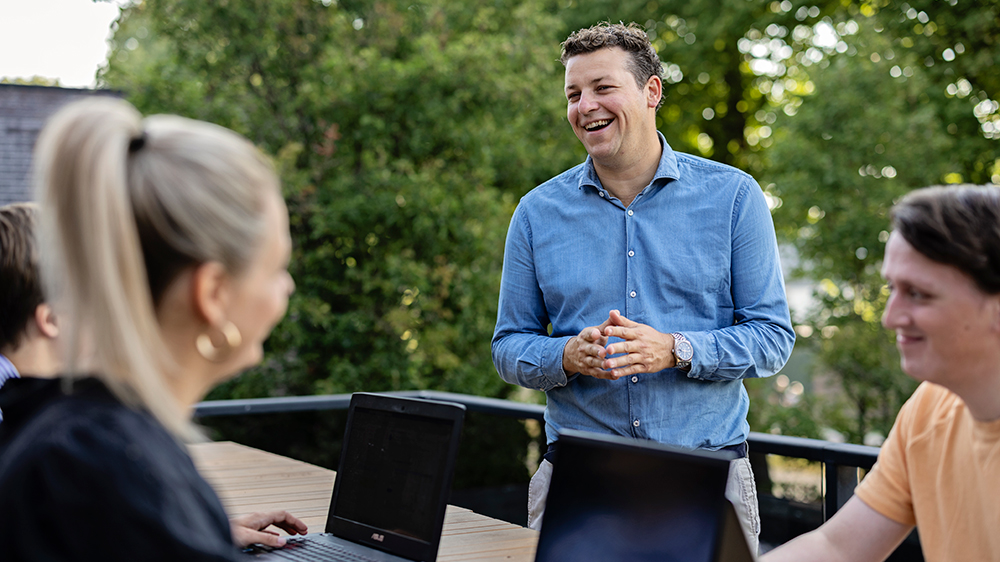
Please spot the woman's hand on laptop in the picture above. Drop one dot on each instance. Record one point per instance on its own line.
(253, 528)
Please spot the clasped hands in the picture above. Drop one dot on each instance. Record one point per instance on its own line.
(645, 350)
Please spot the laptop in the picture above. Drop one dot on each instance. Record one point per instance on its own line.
(613, 498)
(392, 486)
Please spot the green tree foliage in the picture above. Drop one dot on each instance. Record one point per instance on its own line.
(955, 46)
(725, 64)
(33, 81)
(952, 39)
(884, 119)
(404, 133)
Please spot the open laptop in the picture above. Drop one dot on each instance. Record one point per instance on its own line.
(392, 486)
(613, 498)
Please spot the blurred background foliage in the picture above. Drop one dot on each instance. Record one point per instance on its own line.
(405, 132)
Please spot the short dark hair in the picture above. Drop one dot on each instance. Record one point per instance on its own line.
(20, 286)
(643, 60)
(957, 226)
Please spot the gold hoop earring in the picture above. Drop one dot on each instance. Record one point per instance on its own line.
(208, 349)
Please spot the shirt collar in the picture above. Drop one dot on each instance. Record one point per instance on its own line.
(665, 170)
(7, 370)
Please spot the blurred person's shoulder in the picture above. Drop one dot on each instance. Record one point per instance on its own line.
(935, 401)
(78, 462)
(931, 411)
(79, 422)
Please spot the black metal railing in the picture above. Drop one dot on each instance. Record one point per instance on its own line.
(841, 462)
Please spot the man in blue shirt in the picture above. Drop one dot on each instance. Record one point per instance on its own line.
(28, 329)
(640, 287)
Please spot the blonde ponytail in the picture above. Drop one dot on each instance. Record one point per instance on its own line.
(126, 204)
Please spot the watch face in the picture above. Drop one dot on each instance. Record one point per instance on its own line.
(683, 350)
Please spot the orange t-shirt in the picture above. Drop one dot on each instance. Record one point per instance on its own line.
(939, 469)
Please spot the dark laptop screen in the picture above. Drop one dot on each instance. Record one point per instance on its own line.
(390, 478)
(612, 503)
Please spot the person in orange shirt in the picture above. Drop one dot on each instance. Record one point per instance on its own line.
(939, 469)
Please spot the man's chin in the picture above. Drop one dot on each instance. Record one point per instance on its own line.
(600, 152)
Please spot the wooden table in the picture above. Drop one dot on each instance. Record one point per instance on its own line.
(249, 480)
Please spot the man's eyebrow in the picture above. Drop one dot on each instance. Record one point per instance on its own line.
(594, 81)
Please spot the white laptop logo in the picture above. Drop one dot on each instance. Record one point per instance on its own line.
(378, 537)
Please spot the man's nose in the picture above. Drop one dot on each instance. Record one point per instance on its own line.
(588, 103)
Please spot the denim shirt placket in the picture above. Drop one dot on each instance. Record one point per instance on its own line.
(633, 310)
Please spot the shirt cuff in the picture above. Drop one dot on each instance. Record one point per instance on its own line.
(705, 360)
(552, 362)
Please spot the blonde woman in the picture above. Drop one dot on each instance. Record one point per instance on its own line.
(164, 247)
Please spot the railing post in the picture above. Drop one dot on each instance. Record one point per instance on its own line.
(840, 482)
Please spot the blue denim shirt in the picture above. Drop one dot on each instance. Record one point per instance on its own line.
(695, 253)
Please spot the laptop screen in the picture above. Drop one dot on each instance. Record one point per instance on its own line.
(391, 475)
(609, 501)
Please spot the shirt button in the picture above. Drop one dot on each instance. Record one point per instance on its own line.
(602, 194)
(635, 423)
(632, 294)
(630, 212)
(631, 253)
(635, 379)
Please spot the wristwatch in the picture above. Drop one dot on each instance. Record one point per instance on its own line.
(683, 351)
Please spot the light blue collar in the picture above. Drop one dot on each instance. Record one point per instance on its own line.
(7, 370)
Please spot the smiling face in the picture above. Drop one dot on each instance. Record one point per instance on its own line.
(612, 116)
(947, 328)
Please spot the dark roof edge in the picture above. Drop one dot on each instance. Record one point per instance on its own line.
(120, 93)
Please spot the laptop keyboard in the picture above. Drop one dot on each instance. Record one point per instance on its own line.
(305, 549)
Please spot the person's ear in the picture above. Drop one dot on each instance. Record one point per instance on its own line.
(211, 289)
(654, 91)
(45, 321)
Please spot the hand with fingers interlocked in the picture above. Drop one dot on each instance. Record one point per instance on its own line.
(642, 350)
(585, 353)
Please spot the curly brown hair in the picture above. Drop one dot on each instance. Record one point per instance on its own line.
(643, 60)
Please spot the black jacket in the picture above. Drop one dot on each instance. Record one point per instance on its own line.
(84, 477)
